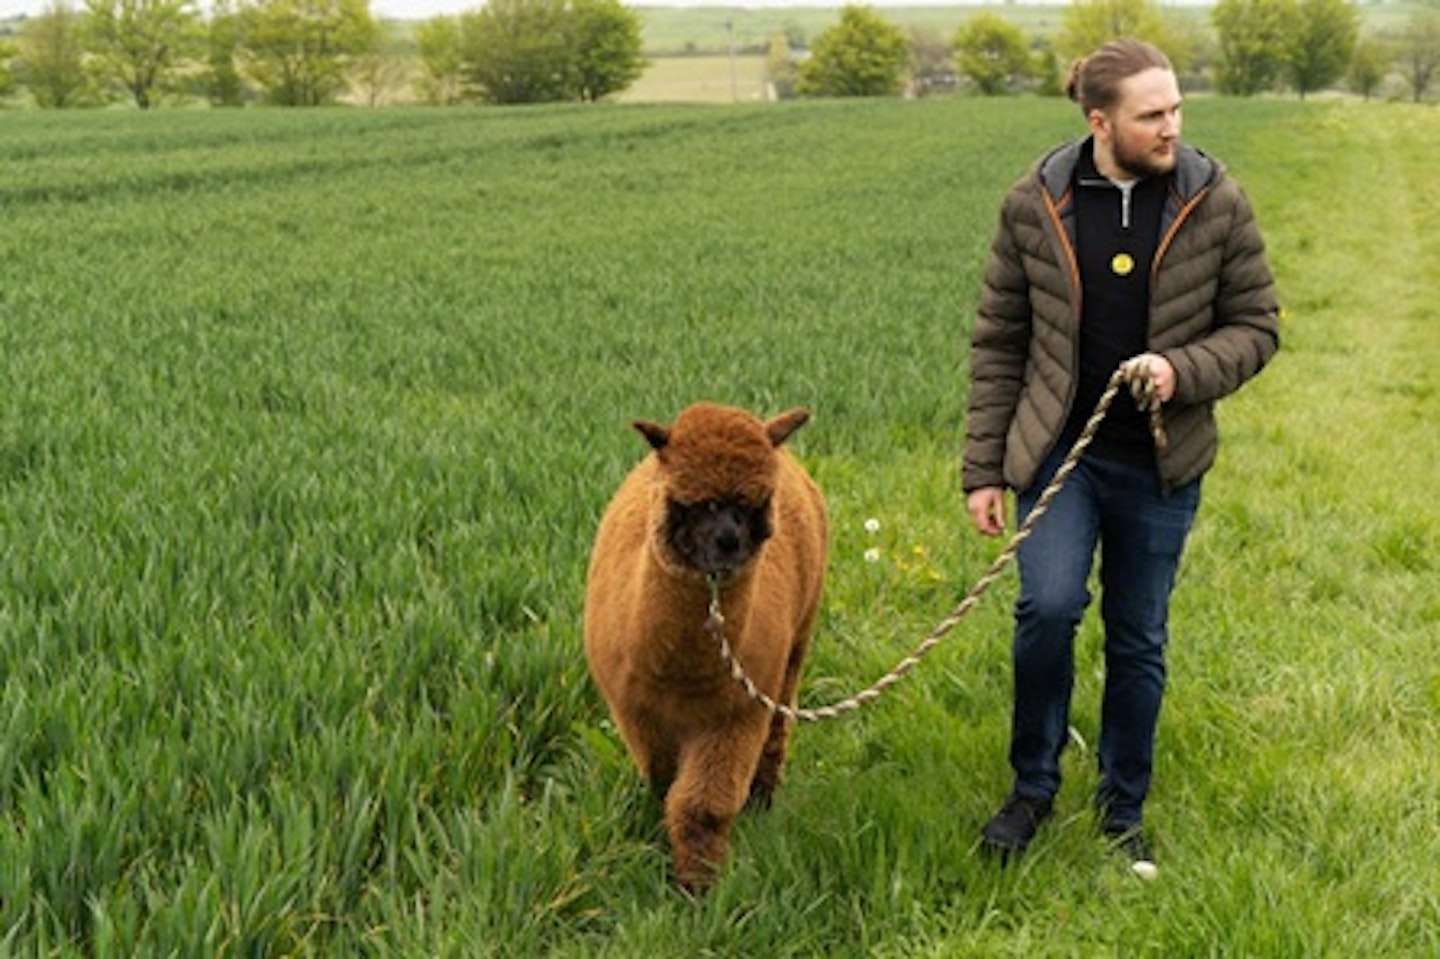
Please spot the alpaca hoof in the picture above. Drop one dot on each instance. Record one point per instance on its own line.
(695, 878)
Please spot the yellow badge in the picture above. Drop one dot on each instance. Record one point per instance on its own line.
(1122, 263)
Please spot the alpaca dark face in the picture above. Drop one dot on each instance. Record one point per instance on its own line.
(716, 535)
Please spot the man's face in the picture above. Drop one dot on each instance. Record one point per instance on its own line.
(1138, 136)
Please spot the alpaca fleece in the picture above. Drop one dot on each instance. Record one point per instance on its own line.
(717, 496)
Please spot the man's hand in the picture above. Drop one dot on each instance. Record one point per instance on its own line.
(1158, 369)
(987, 509)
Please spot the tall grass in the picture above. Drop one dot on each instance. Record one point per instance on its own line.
(307, 422)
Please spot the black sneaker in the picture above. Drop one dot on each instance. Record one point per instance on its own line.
(1131, 843)
(1010, 830)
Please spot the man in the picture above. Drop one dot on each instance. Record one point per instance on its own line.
(1129, 248)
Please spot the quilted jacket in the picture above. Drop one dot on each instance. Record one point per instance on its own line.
(1213, 315)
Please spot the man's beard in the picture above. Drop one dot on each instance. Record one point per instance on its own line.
(1142, 163)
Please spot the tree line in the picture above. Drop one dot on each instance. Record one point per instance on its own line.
(314, 52)
(1251, 47)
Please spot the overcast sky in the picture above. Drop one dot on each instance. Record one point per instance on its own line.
(420, 9)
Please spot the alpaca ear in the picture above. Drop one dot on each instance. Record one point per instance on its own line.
(780, 427)
(656, 435)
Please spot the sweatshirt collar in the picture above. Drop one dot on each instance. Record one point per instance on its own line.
(1193, 169)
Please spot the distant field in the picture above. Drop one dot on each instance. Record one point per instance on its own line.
(671, 30)
(306, 420)
(701, 79)
(678, 31)
(711, 29)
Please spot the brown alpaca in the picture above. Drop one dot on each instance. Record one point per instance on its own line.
(717, 496)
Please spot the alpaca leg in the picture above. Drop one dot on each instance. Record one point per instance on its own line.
(707, 795)
(661, 771)
(654, 752)
(772, 758)
(699, 843)
(772, 763)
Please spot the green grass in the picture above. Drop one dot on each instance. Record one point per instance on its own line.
(308, 419)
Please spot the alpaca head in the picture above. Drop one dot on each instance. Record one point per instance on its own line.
(718, 466)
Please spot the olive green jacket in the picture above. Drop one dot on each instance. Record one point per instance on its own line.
(1213, 315)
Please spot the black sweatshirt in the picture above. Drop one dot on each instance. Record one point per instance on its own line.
(1116, 239)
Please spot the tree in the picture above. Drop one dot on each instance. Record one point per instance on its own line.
(1087, 25)
(139, 45)
(1045, 71)
(1252, 43)
(863, 55)
(51, 58)
(540, 51)
(8, 52)
(780, 68)
(1191, 48)
(518, 51)
(1419, 51)
(442, 60)
(1368, 66)
(1322, 43)
(992, 53)
(377, 74)
(299, 50)
(222, 81)
(607, 42)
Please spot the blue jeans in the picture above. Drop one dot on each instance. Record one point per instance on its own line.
(1141, 534)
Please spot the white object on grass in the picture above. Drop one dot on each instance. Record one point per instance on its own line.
(1145, 869)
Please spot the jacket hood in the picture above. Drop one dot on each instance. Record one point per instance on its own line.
(1194, 170)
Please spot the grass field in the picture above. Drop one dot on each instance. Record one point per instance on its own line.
(307, 421)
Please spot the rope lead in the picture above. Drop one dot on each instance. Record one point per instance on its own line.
(1142, 387)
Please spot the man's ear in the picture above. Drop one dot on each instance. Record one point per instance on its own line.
(1099, 123)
